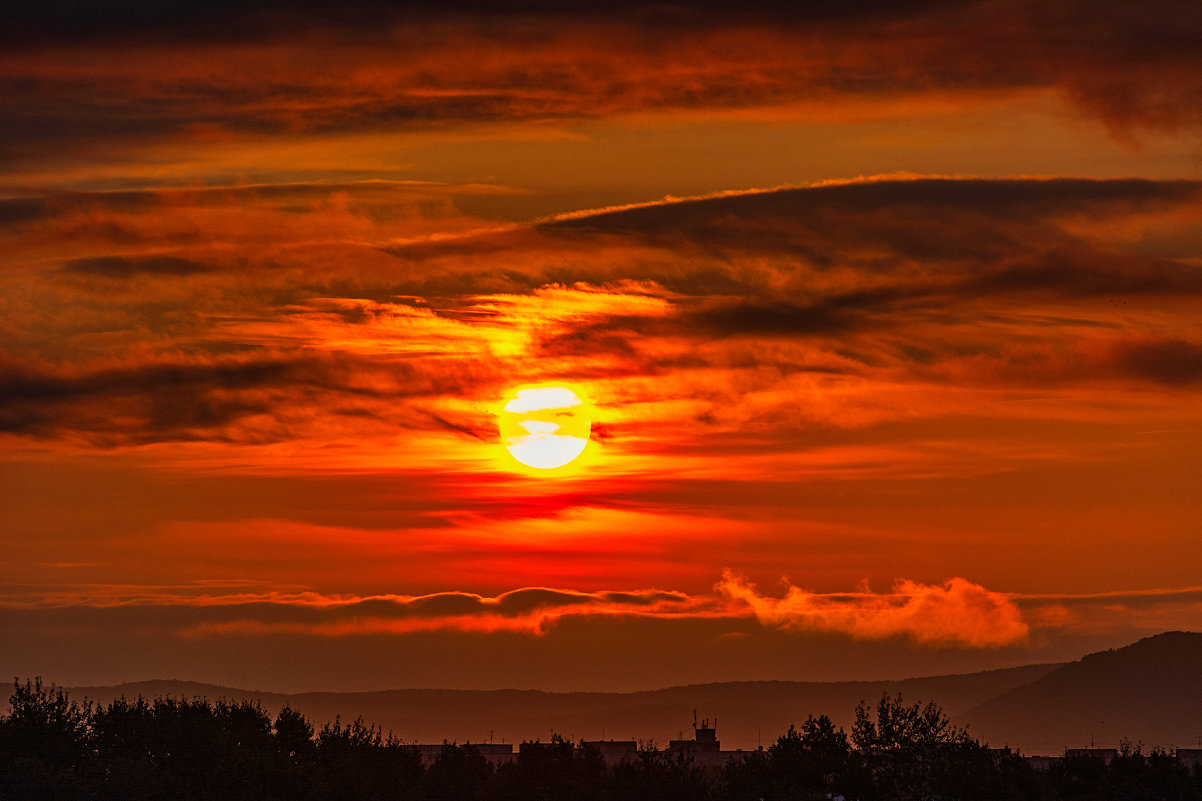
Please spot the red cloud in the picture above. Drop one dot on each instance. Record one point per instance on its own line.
(958, 612)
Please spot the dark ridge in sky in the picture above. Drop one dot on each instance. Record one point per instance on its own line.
(1145, 692)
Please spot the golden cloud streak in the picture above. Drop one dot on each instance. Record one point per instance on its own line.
(958, 612)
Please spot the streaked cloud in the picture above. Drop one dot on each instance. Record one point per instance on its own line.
(958, 612)
(954, 613)
(911, 284)
(1131, 68)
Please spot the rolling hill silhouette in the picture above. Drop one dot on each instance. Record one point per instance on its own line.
(1150, 691)
(749, 712)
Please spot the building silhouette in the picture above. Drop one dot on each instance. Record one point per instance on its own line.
(496, 753)
(614, 751)
(704, 748)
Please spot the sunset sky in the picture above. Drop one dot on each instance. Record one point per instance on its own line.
(888, 326)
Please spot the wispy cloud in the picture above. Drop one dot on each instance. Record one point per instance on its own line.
(957, 612)
(761, 298)
(146, 75)
(953, 614)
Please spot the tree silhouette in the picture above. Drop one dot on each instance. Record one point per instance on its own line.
(748, 779)
(913, 753)
(812, 763)
(45, 745)
(358, 762)
(188, 749)
(459, 773)
(553, 770)
(128, 738)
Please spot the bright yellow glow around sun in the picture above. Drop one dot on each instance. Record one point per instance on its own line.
(545, 427)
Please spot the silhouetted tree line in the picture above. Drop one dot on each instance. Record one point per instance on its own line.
(192, 750)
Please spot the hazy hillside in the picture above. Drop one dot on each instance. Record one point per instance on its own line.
(747, 711)
(1150, 691)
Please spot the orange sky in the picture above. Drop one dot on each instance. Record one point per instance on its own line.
(888, 322)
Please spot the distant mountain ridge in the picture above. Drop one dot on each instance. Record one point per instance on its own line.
(749, 713)
(1150, 691)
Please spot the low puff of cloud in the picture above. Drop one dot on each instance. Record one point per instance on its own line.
(956, 613)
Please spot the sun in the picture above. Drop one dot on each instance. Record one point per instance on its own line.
(545, 426)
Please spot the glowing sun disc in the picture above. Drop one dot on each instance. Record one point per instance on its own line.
(544, 427)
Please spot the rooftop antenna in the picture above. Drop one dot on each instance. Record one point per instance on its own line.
(694, 718)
